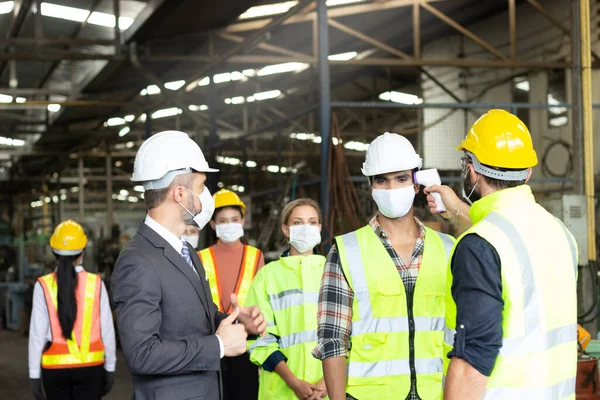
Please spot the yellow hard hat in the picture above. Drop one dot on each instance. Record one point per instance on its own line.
(227, 198)
(68, 239)
(500, 139)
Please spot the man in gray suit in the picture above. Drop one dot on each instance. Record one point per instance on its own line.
(171, 332)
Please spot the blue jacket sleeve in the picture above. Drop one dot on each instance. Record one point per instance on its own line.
(477, 292)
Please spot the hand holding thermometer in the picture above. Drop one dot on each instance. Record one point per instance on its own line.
(427, 178)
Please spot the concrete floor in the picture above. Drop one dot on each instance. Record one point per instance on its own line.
(14, 374)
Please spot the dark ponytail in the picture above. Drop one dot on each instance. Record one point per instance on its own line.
(66, 280)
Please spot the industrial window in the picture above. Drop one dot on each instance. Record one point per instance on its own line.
(520, 94)
(557, 94)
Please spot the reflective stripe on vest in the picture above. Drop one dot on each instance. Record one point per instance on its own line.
(533, 363)
(379, 362)
(297, 338)
(249, 265)
(292, 297)
(85, 347)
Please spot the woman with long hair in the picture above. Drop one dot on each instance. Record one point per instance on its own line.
(71, 335)
(287, 291)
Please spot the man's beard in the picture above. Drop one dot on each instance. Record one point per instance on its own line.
(188, 219)
(468, 186)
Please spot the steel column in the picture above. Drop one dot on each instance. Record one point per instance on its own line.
(117, 38)
(81, 186)
(324, 103)
(213, 138)
(109, 189)
(578, 173)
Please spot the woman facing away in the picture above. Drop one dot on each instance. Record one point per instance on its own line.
(287, 291)
(71, 335)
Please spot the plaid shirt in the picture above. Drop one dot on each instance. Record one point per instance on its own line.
(336, 296)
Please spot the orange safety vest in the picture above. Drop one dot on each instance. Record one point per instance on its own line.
(85, 349)
(248, 270)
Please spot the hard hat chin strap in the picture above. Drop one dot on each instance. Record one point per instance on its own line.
(513, 175)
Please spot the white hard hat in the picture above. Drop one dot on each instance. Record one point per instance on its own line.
(164, 156)
(390, 152)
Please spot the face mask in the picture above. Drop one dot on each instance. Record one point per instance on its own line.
(467, 185)
(208, 207)
(304, 237)
(229, 233)
(394, 203)
(193, 240)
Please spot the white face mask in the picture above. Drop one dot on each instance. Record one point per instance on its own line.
(394, 203)
(304, 237)
(208, 208)
(192, 240)
(229, 233)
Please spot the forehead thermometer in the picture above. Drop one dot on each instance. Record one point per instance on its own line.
(427, 178)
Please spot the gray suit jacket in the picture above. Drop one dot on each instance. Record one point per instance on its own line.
(167, 321)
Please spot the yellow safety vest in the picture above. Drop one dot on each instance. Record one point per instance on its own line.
(287, 292)
(538, 256)
(380, 364)
(249, 265)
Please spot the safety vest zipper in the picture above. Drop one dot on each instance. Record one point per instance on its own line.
(411, 343)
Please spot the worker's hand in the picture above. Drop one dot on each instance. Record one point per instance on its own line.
(250, 317)
(232, 335)
(303, 389)
(450, 199)
(109, 381)
(36, 389)
(320, 392)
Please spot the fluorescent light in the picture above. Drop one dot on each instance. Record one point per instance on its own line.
(138, 188)
(119, 164)
(241, 189)
(559, 121)
(523, 85)
(268, 9)
(129, 118)
(204, 81)
(115, 121)
(273, 168)
(251, 164)
(251, 99)
(282, 68)
(236, 100)
(4, 98)
(132, 199)
(143, 118)
(166, 112)
(228, 160)
(201, 107)
(358, 146)
(124, 131)
(108, 20)
(121, 197)
(75, 189)
(63, 197)
(55, 199)
(283, 7)
(331, 3)
(124, 192)
(555, 110)
(11, 142)
(249, 72)
(6, 7)
(270, 94)
(175, 85)
(47, 200)
(400, 97)
(20, 100)
(343, 56)
(129, 145)
(80, 15)
(63, 12)
(54, 107)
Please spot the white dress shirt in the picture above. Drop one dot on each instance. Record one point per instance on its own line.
(177, 244)
(40, 332)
